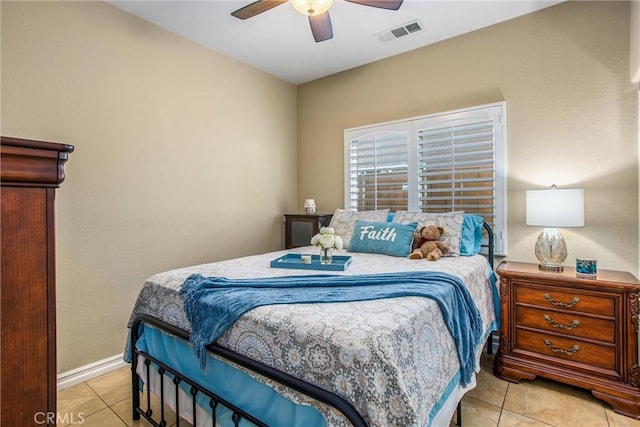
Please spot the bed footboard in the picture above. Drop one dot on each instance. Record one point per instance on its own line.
(215, 401)
(194, 389)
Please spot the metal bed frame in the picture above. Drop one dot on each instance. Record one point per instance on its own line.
(215, 401)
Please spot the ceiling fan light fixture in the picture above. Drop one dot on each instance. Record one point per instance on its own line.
(311, 7)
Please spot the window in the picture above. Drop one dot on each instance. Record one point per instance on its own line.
(438, 163)
(378, 169)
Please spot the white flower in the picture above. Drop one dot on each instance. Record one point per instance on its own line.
(327, 239)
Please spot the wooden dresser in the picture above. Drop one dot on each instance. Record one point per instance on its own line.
(30, 171)
(580, 331)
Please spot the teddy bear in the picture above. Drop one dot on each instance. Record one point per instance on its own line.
(428, 246)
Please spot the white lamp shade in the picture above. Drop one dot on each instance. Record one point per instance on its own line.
(311, 7)
(555, 207)
(309, 203)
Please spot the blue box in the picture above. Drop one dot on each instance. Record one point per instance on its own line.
(586, 267)
(339, 262)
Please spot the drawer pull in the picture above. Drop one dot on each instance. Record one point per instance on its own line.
(574, 301)
(573, 324)
(555, 349)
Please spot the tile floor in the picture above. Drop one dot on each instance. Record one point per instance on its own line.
(105, 402)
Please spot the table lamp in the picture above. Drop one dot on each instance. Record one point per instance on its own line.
(310, 206)
(553, 208)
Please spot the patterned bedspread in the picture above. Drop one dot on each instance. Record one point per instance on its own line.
(392, 359)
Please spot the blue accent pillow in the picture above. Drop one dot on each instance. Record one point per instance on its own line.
(390, 216)
(471, 235)
(388, 238)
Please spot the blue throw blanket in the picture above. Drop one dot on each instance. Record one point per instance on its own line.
(212, 304)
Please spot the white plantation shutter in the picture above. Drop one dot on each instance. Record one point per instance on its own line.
(456, 165)
(377, 169)
(452, 161)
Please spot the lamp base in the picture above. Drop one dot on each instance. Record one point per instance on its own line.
(554, 268)
(551, 250)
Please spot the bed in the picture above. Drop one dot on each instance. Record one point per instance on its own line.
(358, 362)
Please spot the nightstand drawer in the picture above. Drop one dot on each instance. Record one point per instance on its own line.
(566, 323)
(565, 299)
(568, 349)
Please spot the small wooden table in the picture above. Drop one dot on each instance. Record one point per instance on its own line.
(300, 228)
(576, 330)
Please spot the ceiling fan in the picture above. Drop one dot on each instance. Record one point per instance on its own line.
(317, 10)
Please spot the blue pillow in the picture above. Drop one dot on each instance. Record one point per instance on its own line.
(471, 235)
(388, 238)
(390, 216)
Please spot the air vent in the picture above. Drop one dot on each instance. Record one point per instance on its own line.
(399, 32)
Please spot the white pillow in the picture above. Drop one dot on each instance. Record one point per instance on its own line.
(343, 221)
(450, 221)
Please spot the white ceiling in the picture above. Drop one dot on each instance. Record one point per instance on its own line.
(279, 41)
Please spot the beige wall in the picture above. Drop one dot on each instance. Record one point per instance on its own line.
(634, 43)
(572, 117)
(183, 156)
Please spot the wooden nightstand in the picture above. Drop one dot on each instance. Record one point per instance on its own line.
(300, 228)
(579, 331)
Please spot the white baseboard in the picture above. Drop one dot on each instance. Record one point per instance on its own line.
(92, 370)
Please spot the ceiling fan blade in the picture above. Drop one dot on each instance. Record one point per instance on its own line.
(256, 8)
(321, 27)
(382, 4)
